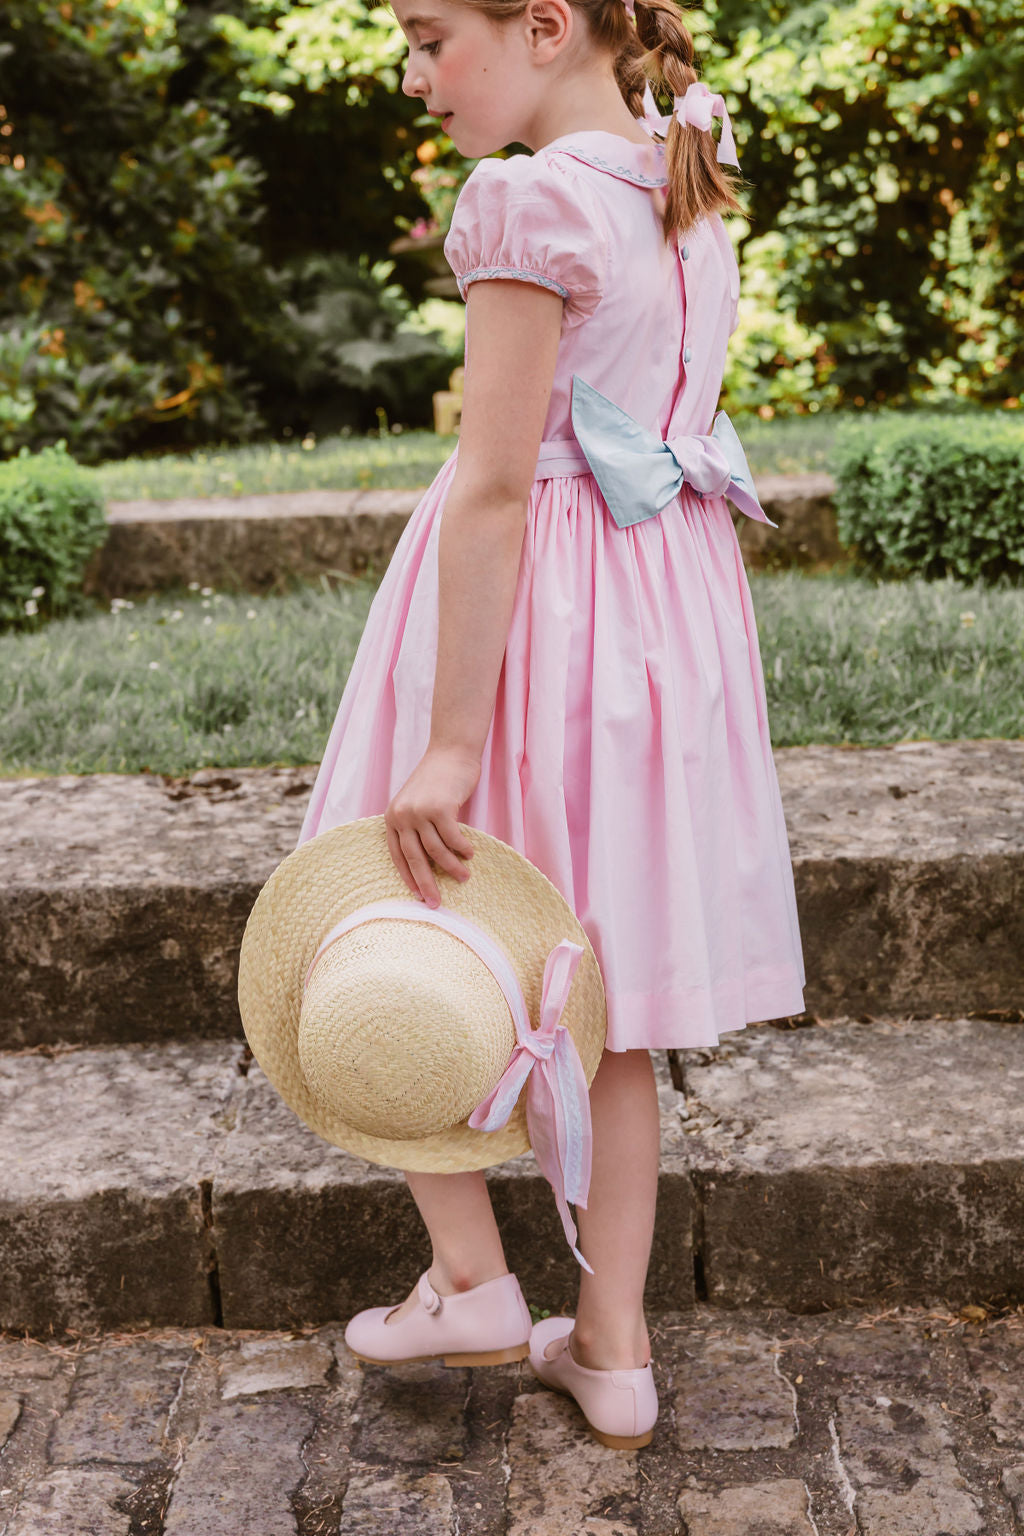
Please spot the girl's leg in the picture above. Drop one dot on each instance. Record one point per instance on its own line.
(610, 1331)
(464, 1238)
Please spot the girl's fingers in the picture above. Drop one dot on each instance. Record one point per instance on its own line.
(400, 861)
(419, 867)
(440, 850)
(397, 856)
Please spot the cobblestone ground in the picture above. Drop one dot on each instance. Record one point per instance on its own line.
(910, 1423)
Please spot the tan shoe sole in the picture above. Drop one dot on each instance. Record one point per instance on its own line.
(487, 1357)
(620, 1442)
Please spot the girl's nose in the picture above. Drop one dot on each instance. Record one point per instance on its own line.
(412, 81)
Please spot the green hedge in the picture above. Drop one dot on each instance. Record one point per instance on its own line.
(941, 499)
(52, 518)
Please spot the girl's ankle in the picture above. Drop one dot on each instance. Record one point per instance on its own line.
(604, 1353)
(449, 1282)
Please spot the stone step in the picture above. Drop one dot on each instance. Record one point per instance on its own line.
(905, 1425)
(123, 898)
(257, 543)
(807, 1168)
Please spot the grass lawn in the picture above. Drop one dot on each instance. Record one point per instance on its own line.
(786, 446)
(178, 683)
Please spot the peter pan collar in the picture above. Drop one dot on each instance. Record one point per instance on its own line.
(642, 164)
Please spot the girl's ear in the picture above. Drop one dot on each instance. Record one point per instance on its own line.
(548, 26)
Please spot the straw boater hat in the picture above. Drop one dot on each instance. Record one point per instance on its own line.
(386, 1025)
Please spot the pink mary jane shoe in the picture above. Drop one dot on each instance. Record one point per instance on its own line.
(620, 1407)
(488, 1325)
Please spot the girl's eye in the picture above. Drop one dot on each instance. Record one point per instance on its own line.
(430, 48)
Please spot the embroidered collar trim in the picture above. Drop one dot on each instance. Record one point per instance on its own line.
(612, 153)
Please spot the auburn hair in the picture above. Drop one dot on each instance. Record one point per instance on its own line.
(657, 51)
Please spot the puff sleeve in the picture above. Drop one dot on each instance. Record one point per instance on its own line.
(531, 218)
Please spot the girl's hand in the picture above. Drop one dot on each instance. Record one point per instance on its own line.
(423, 819)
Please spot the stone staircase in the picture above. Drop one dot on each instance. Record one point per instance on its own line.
(868, 1153)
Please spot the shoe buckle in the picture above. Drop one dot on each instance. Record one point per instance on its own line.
(430, 1301)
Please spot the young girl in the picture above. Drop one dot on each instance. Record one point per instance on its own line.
(563, 650)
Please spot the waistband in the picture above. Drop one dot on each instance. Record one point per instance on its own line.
(561, 456)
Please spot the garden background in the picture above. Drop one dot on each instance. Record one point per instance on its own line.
(222, 274)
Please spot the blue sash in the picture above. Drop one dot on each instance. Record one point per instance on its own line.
(638, 472)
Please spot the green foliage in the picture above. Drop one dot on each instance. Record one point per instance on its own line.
(940, 500)
(132, 291)
(146, 299)
(52, 518)
(168, 169)
(357, 345)
(883, 141)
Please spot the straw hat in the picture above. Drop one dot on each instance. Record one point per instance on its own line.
(385, 1038)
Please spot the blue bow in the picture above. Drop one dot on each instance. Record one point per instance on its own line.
(639, 473)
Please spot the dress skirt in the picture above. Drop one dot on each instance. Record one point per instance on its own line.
(628, 755)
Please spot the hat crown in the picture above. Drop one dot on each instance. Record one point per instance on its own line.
(402, 1030)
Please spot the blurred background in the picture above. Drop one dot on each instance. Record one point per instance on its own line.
(222, 277)
(223, 220)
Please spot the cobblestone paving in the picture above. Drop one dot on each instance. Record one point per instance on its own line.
(908, 1423)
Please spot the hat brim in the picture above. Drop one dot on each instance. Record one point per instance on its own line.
(337, 872)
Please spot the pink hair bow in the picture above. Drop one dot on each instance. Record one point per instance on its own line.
(557, 1099)
(696, 107)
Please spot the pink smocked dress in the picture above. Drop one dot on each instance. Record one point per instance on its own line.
(628, 755)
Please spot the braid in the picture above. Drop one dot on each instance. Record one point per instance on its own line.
(660, 51)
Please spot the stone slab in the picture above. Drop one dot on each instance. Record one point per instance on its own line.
(895, 1436)
(909, 866)
(248, 543)
(775, 1508)
(379, 1502)
(74, 1501)
(814, 1168)
(10, 1413)
(561, 1479)
(900, 1457)
(120, 1403)
(271, 1365)
(806, 537)
(242, 1471)
(259, 543)
(103, 1158)
(123, 898)
(734, 1396)
(305, 1232)
(835, 1164)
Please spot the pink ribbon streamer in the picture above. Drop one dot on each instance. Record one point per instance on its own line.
(545, 1060)
(696, 107)
(557, 1099)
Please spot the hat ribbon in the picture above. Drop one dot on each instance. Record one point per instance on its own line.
(639, 472)
(557, 1098)
(696, 107)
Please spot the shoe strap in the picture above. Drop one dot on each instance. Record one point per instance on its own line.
(430, 1301)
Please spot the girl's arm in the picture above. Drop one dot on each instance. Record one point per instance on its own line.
(512, 331)
(512, 343)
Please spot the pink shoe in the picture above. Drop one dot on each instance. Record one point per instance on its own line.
(488, 1325)
(620, 1407)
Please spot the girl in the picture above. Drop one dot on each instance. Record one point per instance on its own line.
(563, 650)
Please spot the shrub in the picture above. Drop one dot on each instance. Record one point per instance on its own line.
(358, 355)
(943, 498)
(52, 518)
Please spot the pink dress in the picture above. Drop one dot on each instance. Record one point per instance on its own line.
(628, 755)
